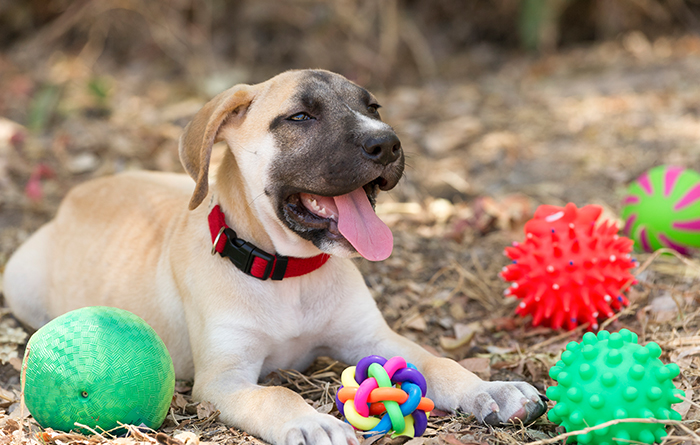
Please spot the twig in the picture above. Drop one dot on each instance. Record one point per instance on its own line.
(689, 431)
(326, 369)
(683, 341)
(632, 308)
(80, 425)
(604, 425)
(663, 250)
(654, 256)
(689, 401)
(559, 337)
(23, 379)
(172, 414)
(135, 432)
(480, 270)
(481, 284)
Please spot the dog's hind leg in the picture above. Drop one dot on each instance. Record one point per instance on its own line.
(26, 278)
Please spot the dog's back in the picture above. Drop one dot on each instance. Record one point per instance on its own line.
(50, 275)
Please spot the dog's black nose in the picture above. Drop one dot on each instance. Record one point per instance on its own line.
(383, 149)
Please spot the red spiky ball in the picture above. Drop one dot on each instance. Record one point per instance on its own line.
(569, 271)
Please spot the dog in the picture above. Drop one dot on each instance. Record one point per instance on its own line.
(252, 273)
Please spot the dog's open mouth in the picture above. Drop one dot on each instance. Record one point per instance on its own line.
(350, 216)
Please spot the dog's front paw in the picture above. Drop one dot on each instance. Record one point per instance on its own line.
(496, 403)
(317, 429)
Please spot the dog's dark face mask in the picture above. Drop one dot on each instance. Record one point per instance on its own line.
(335, 155)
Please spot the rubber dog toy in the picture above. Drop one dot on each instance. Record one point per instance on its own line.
(610, 376)
(662, 209)
(98, 366)
(569, 271)
(392, 389)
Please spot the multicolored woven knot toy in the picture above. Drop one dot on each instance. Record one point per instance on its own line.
(392, 389)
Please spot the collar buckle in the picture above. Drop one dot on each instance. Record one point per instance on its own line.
(242, 254)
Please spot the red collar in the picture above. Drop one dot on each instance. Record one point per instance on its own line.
(252, 260)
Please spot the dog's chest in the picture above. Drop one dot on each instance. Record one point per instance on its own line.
(294, 343)
(298, 328)
(293, 355)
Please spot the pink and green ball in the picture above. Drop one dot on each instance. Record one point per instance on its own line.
(662, 209)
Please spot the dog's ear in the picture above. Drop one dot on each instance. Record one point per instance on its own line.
(202, 133)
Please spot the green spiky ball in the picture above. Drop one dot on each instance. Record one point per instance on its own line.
(98, 366)
(610, 376)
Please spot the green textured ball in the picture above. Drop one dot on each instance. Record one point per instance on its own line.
(97, 366)
(608, 377)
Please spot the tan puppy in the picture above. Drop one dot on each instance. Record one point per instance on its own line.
(307, 155)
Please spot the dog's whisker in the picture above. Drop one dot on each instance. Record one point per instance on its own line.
(250, 204)
(242, 147)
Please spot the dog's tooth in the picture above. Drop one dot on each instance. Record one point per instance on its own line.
(318, 207)
(311, 201)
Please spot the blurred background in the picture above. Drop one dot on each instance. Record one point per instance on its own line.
(381, 43)
(501, 105)
(498, 103)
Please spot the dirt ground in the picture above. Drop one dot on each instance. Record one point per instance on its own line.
(483, 152)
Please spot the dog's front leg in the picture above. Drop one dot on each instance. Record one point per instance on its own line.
(275, 414)
(451, 386)
(228, 361)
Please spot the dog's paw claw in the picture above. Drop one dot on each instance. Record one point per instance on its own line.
(492, 419)
(318, 429)
(514, 402)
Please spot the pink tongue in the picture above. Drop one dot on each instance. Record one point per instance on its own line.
(358, 223)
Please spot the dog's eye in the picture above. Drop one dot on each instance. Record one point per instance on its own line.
(373, 109)
(300, 117)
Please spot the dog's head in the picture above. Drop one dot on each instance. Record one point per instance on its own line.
(312, 153)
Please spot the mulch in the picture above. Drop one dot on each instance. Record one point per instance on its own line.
(482, 153)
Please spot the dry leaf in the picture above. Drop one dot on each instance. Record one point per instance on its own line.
(480, 366)
(164, 439)
(464, 330)
(16, 363)
(417, 441)
(452, 439)
(325, 408)
(8, 352)
(179, 402)
(685, 406)
(205, 410)
(663, 308)
(417, 323)
(451, 343)
(8, 395)
(187, 438)
(369, 440)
